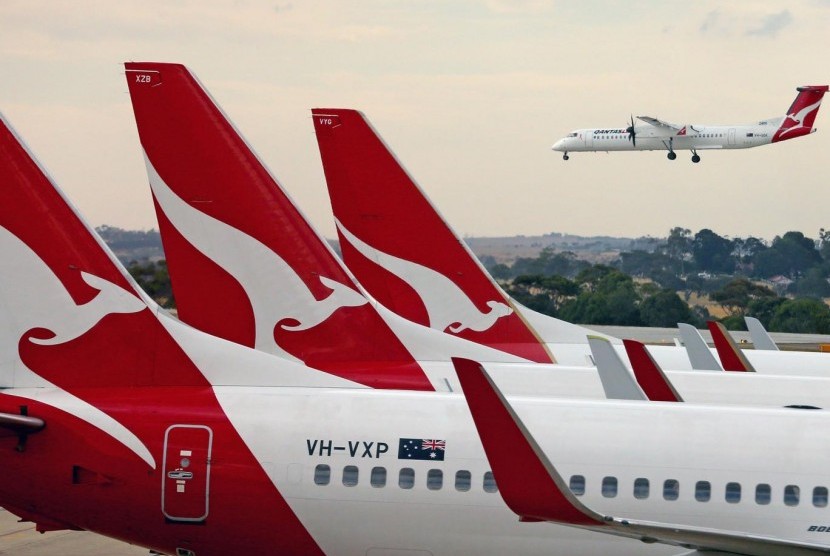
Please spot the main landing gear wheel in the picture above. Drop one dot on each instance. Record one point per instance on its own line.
(695, 158)
(565, 156)
(672, 155)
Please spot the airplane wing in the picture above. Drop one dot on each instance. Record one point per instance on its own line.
(533, 489)
(659, 123)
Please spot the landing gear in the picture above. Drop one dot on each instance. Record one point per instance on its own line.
(695, 157)
(565, 157)
(672, 155)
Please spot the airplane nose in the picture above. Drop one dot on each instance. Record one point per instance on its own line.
(558, 145)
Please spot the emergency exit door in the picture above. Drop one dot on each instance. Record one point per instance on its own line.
(185, 487)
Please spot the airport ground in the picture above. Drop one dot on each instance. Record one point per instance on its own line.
(21, 539)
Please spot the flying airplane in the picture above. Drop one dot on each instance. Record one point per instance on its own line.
(238, 258)
(408, 258)
(659, 472)
(654, 134)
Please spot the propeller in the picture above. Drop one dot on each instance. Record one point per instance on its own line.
(632, 135)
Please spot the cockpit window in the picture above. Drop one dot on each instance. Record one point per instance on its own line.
(572, 135)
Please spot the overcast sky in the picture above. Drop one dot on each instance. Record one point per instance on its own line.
(470, 94)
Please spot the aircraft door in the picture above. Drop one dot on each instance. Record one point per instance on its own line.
(185, 487)
(588, 138)
(732, 136)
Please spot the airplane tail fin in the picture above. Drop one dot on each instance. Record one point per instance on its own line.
(731, 356)
(403, 252)
(244, 262)
(650, 376)
(801, 114)
(68, 308)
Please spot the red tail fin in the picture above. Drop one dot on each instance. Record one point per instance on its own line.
(731, 356)
(801, 115)
(402, 251)
(244, 262)
(76, 307)
(650, 376)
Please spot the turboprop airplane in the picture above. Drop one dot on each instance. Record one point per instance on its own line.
(665, 477)
(407, 257)
(118, 419)
(653, 134)
(243, 260)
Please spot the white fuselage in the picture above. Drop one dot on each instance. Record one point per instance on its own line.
(650, 137)
(595, 439)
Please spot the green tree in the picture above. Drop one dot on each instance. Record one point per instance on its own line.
(155, 280)
(803, 315)
(735, 296)
(712, 252)
(665, 309)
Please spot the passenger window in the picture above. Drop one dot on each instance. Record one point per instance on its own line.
(671, 489)
(463, 480)
(577, 484)
(406, 478)
(641, 488)
(378, 478)
(763, 494)
(791, 495)
(490, 482)
(350, 475)
(609, 487)
(733, 493)
(703, 491)
(820, 497)
(435, 479)
(322, 474)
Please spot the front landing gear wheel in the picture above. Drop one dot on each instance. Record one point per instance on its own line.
(695, 158)
(672, 155)
(565, 157)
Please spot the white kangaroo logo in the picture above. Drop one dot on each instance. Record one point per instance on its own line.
(32, 297)
(276, 292)
(448, 307)
(799, 117)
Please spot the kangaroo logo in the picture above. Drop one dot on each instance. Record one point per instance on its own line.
(794, 122)
(54, 310)
(448, 307)
(293, 308)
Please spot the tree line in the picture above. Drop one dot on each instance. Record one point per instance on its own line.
(781, 283)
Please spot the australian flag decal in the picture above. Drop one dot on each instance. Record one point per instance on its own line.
(424, 449)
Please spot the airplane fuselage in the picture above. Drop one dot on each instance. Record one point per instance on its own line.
(651, 138)
(320, 472)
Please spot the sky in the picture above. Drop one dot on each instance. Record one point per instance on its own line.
(469, 94)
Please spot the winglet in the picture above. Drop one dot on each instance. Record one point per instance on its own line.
(760, 337)
(614, 375)
(650, 376)
(730, 354)
(527, 480)
(699, 355)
